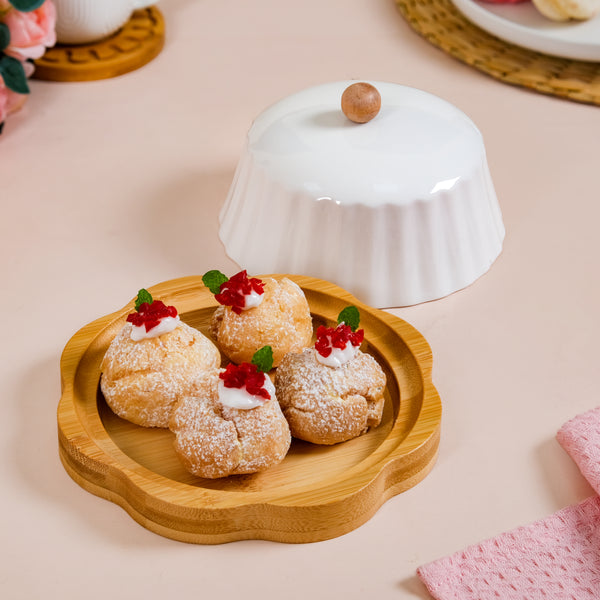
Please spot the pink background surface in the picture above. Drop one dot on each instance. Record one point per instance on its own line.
(112, 185)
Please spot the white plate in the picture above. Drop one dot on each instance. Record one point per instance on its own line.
(522, 24)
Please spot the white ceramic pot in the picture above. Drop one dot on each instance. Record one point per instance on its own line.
(86, 21)
(399, 210)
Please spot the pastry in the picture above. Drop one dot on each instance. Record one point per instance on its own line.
(332, 392)
(563, 10)
(152, 361)
(505, 1)
(230, 423)
(256, 313)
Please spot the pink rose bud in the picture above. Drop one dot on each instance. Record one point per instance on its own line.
(31, 32)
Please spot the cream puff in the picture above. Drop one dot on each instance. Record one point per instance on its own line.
(256, 313)
(230, 424)
(563, 10)
(152, 362)
(332, 392)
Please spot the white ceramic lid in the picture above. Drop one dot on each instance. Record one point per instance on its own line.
(399, 210)
(416, 145)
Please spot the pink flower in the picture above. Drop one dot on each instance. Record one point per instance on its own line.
(10, 101)
(30, 32)
(3, 102)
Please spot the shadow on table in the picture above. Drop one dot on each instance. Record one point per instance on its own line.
(415, 587)
(561, 476)
(181, 223)
(34, 450)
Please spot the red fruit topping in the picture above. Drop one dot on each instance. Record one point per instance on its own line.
(246, 374)
(329, 338)
(150, 315)
(234, 290)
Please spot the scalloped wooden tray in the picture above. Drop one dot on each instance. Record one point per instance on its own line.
(316, 493)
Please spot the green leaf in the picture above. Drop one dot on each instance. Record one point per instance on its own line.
(26, 5)
(143, 296)
(263, 359)
(350, 316)
(13, 74)
(213, 280)
(4, 36)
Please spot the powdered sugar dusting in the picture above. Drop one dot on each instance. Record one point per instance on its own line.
(282, 321)
(325, 405)
(142, 380)
(216, 441)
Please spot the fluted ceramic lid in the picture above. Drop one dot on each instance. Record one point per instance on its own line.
(417, 145)
(398, 210)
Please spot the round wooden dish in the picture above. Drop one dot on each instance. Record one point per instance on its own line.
(316, 493)
(138, 42)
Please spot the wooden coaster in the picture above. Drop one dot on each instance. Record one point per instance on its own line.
(135, 44)
(440, 23)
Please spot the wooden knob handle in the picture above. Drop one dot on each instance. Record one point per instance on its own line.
(361, 102)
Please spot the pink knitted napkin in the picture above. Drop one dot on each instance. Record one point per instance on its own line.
(580, 437)
(557, 558)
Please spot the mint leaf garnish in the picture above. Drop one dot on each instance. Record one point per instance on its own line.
(263, 359)
(213, 280)
(13, 74)
(4, 36)
(143, 296)
(350, 316)
(26, 5)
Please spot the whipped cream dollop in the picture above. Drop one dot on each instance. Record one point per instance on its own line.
(252, 300)
(338, 356)
(240, 292)
(240, 398)
(166, 325)
(337, 346)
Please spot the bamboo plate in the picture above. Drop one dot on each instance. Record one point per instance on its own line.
(316, 493)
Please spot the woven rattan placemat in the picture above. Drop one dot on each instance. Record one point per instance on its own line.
(439, 22)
